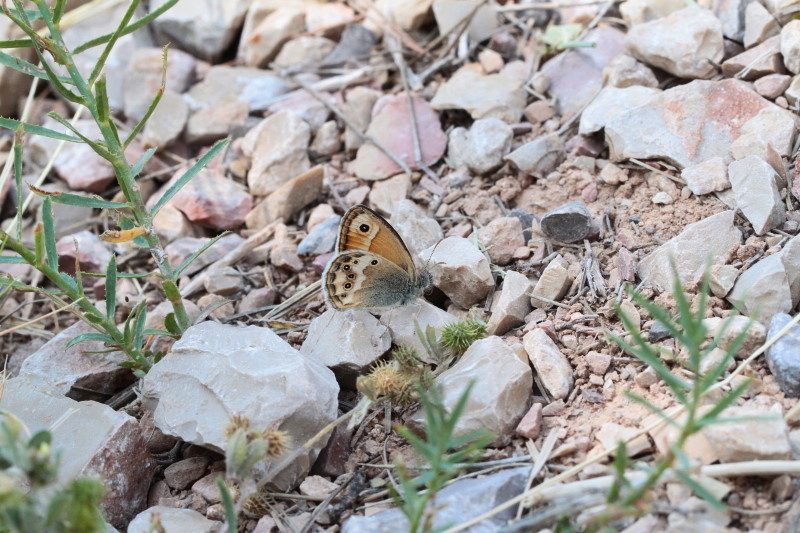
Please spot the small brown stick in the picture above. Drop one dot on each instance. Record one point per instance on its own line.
(349, 123)
(642, 164)
(39, 318)
(388, 25)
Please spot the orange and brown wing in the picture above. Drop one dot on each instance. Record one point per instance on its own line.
(364, 229)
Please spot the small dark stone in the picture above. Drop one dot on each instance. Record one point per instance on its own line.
(570, 222)
(333, 457)
(182, 474)
(526, 220)
(658, 333)
(783, 357)
(354, 46)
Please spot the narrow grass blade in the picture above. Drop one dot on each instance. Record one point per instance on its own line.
(189, 260)
(11, 259)
(25, 67)
(699, 489)
(723, 403)
(17, 153)
(84, 337)
(649, 357)
(188, 175)
(144, 21)
(94, 145)
(123, 23)
(137, 167)
(14, 125)
(111, 287)
(153, 103)
(94, 202)
(49, 233)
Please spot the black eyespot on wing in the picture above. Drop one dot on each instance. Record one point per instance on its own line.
(374, 262)
(346, 267)
(348, 285)
(351, 276)
(355, 262)
(364, 228)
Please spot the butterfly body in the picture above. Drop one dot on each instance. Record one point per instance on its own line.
(373, 268)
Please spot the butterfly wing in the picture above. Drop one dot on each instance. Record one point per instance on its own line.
(364, 279)
(365, 230)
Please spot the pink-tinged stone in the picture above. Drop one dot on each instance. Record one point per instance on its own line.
(589, 193)
(759, 61)
(144, 73)
(574, 76)
(212, 200)
(531, 423)
(626, 265)
(392, 126)
(692, 123)
(772, 85)
(92, 253)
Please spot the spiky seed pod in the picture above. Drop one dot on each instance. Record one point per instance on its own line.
(278, 442)
(236, 422)
(258, 505)
(458, 336)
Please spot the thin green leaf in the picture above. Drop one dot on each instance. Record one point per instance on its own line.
(724, 402)
(137, 167)
(17, 154)
(39, 438)
(227, 504)
(84, 337)
(13, 125)
(25, 67)
(139, 328)
(16, 43)
(115, 35)
(188, 175)
(111, 287)
(49, 233)
(157, 332)
(93, 201)
(58, 10)
(171, 323)
(144, 21)
(94, 145)
(101, 98)
(188, 261)
(11, 260)
(699, 489)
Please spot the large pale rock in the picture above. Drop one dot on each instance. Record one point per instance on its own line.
(348, 341)
(463, 500)
(551, 365)
(574, 76)
(686, 43)
(553, 284)
(392, 126)
(481, 148)
(386, 194)
(172, 521)
(770, 286)
(216, 121)
(418, 230)
(732, 15)
(790, 46)
(690, 251)
(204, 30)
(755, 187)
(278, 147)
(500, 394)
(401, 324)
(460, 270)
(217, 371)
(482, 96)
(451, 13)
(93, 440)
(288, 199)
(610, 102)
(256, 87)
(764, 437)
(304, 52)
(306, 106)
(695, 122)
(511, 305)
(63, 369)
(624, 71)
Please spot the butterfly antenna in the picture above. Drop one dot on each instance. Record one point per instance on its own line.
(432, 252)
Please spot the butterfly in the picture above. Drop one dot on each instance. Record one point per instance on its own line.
(372, 267)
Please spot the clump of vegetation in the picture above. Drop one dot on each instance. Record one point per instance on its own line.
(132, 215)
(30, 499)
(443, 454)
(454, 340)
(628, 497)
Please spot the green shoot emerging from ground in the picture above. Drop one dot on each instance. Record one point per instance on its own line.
(443, 454)
(27, 462)
(628, 497)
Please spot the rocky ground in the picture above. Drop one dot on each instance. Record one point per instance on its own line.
(536, 179)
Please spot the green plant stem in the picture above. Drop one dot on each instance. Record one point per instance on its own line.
(96, 318)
